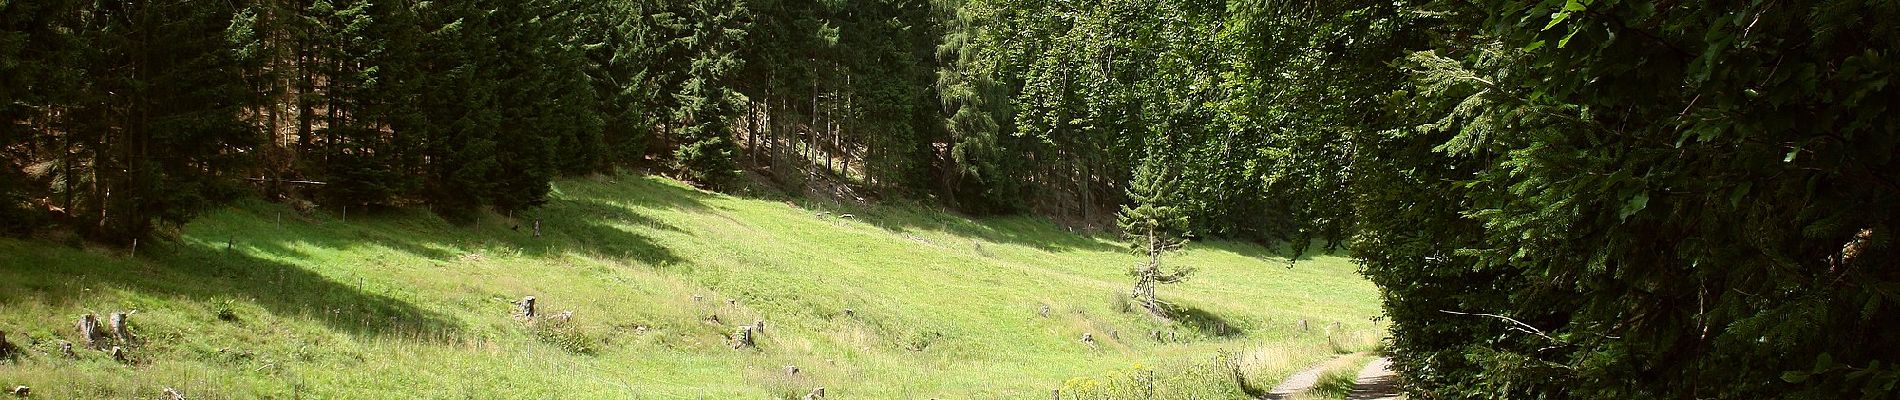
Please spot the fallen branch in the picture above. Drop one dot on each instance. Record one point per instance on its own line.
(286, 181)
(1521, 326)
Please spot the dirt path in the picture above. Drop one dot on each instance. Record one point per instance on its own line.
(1376, 382)
(1304, 380)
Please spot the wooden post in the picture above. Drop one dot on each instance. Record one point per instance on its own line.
(1056, 394)
(6, 349)
(758, 325)
(22, 391)
(1303, 325)
(537, 227)
(135, 248)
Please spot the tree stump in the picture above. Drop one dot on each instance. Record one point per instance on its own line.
(1303, 326)
(744, 339)
(1156, 334)
(1115, 334)
(713, 318)
(791, 370)
(1044, 311)
(22, 391)
(173, 394)
(90, 332)
(758, 325)
(1089, 339)
(732, 302)
(850, 312)
(1056, 394)
(564, 316)
(118, 354)
(6, 349)
(119, 329)
(526, 307)
(816, 394)
(66, 349)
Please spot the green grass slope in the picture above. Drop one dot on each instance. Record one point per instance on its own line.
(257, 301)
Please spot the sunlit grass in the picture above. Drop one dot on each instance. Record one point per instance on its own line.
(890, 302)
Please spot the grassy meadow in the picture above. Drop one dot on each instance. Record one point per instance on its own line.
(891, 302)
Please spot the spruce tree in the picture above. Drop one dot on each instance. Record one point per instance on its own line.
(707, 103)
(1154, 226)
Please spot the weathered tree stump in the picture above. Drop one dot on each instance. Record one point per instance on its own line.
(1089, 339)
(1044, 311)
(537, 227)
(118, 354)
(1156, 334)
(90, 332)
(526, 309)
(174, 394)
(6, 349)
(1174, 336)
(743, 339)
(791, 370)
(119, 330)
(1056, 394)
(1303, 326)
(22, 391)
(816, 394)
(66, 349)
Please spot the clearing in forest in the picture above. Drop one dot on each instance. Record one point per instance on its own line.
(257, 301)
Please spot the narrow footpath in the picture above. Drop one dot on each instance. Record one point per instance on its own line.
(1304, 380)
(1376, 382)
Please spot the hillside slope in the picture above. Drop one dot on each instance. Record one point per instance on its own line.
(256, 301)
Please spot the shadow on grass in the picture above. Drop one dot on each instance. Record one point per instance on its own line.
(582, 218)
(1200, 321)
(1024, 231)
(203, 274)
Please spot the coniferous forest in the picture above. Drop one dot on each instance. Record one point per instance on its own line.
(1557, 198)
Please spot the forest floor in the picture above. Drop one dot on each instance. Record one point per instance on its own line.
(259, 301)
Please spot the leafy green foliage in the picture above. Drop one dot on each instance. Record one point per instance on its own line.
(1648, 201)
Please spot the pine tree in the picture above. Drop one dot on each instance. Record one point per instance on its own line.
(707, 103)
(1154, 226)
